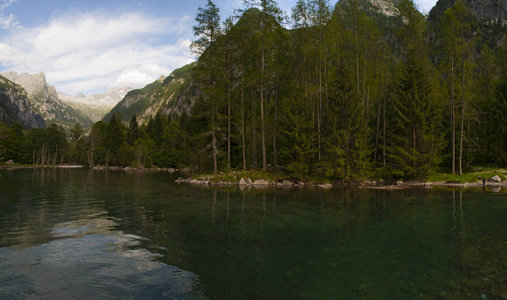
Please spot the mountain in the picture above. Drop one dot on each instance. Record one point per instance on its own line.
(44, 100)
(161, 95)
(488, 26)
(95, 106)
(15, 107)
(484, 10)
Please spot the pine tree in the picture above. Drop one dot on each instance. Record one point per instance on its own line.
(133, 133)
(415, 128)
(208, 30)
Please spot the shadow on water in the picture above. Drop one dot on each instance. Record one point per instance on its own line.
(182, 241)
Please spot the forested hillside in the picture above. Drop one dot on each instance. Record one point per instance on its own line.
(362, 89)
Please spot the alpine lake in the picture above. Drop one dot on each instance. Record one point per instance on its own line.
(81, 234)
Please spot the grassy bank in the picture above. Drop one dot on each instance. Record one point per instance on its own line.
(482, 173)
(278, 176)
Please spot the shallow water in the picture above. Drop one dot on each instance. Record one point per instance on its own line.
(103, 235)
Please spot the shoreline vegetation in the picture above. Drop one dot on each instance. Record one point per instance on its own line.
(492, 178)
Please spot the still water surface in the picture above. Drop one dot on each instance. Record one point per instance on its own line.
(116, 235)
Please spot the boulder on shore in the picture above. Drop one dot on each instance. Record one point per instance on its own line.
(287, 182)
(495, 178)
(242, 181)
(261, 182)
(10, 162)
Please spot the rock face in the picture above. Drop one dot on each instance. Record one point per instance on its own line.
(44, 100)
(15, 107)
(486, 10)
(385, 7)
(382, 7)
(483, 10)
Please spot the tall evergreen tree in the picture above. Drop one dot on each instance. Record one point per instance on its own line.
(133, 132)
(208, 30)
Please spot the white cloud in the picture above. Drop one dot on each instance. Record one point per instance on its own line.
(6, 4)
(91, 52)
(10, 21)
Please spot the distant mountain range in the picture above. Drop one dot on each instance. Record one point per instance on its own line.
(62, 109)
(95, 106)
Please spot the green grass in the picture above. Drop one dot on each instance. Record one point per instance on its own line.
(469, 177)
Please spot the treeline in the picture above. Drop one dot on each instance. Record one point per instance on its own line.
(338, 98)
(113, 144)
(341, 95)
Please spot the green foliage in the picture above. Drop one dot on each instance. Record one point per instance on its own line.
(464, 178)
(343, 95)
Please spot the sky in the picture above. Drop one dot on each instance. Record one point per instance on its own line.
(89, 46)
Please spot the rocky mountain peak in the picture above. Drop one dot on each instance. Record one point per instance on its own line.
(44, 100)
(385, 7)
(32, 83)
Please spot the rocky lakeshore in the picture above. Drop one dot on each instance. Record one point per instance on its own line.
(494, 183)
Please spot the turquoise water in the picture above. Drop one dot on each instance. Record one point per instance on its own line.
(116, 235)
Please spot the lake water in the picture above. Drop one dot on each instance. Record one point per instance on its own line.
(116, 235)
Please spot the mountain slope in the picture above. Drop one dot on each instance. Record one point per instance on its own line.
(45, 102)
(15, 107)
(161, 95)
(95, 106)
(484, 10)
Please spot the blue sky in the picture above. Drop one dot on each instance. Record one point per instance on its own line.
(90, 45)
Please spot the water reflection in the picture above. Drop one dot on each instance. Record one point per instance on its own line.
(58, 240)
(133, 234)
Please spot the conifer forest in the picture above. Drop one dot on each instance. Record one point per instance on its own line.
(326, 90)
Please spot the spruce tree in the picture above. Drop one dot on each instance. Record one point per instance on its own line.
(208, 30)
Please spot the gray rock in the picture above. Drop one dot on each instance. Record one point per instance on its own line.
(260, 182)
(287, 182)
(325, 186)
(242, 181)
(495, 178)
(10, 162)
(249, 181)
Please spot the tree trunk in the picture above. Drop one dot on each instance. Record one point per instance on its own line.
(229, 127)
(243, 121)
(263, 134)
(377, 135)
(414, 146)
(275, 126)
(213, 138)
(453, 127)
(254, 133)
(319, 110)
(462, 102)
